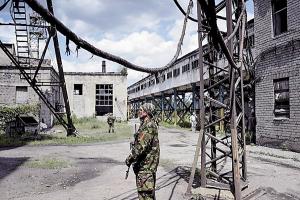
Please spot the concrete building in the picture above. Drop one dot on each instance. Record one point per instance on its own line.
(97, 93)
(277, 42)
(14, 89)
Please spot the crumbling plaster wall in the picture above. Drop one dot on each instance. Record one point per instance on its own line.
(84, 105)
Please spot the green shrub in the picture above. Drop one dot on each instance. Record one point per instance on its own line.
(8, 113)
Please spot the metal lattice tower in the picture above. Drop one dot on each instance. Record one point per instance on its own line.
(222, 101)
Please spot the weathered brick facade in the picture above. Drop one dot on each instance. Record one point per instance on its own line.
(278, 57)
(10, 80)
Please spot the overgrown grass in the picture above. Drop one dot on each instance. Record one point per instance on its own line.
(90, 130)
(48, 163)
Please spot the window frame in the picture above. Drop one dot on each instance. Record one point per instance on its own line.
(279, 103)
(80, 90)
(274, 17)
(104, 99)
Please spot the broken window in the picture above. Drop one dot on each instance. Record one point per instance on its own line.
(77, 89)
(279, 8)
(281, 98)
(104, 99)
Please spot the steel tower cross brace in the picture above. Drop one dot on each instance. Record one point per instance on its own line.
(34, 86)
(71, 129)
(24, 61)
(224, 104)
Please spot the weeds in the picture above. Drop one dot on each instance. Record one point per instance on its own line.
(50, 163)
(90, 130)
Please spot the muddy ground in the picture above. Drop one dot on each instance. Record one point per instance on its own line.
(97, 171)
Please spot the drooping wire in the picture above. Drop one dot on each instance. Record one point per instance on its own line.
(89, 47)
(183, 12)
(190, 6)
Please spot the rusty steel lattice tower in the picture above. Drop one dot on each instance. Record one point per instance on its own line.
(222, 100)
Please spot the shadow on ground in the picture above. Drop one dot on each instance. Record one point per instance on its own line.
(9, 165)
(169, 179)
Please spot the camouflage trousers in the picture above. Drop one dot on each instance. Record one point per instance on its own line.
(145, 183)
(111, 128)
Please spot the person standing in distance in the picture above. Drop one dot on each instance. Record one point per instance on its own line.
(193, 120)
(145, 153)
(111, 122)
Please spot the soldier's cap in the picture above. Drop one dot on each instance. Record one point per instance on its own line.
(149, 108)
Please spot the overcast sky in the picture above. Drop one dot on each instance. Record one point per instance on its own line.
(145, 32)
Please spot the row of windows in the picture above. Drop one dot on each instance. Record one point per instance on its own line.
(163, 77)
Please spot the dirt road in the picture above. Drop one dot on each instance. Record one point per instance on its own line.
(97, 171)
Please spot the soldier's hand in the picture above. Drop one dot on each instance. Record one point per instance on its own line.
(129, 160)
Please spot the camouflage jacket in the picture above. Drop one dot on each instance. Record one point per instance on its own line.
(111, 119)
(145, 149)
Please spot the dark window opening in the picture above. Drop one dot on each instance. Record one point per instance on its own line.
(185, 68)
(163, 78)
(194, 64)
(77, 89)
(104, 99)
(279, 8)
(157, 79)
(176, 72)
(169, 75)
(281, 98)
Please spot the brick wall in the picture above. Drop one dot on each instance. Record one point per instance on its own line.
(279, 57)
(10, 79)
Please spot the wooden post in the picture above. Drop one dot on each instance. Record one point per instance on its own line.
(201, 137)
(233, 125)
(241, 39)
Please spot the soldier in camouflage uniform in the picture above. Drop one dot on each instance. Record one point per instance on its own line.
(145, 153)
(111, 122)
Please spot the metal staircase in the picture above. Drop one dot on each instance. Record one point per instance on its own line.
(22, 40)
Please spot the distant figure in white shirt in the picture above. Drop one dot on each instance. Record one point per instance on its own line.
(193, 120)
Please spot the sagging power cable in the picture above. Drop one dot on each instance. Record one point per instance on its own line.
(190, 6)
(92, 49)
(183, 12)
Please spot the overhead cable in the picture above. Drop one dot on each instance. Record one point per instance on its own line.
(37, 7)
